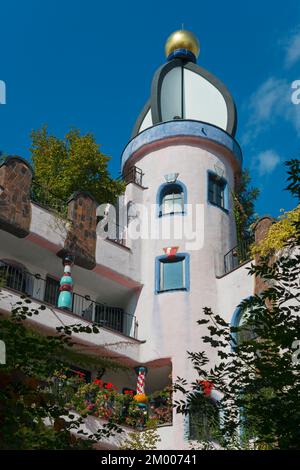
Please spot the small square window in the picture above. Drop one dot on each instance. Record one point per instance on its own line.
(172, 273)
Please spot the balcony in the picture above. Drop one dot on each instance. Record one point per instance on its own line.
(102, 400)
(133, 175)
(47, 291)
(237, 256)
(116, 233)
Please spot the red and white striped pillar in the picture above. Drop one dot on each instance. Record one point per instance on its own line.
(140, 386)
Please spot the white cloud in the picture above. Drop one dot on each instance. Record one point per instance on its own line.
(266, 162)
(269, 104)
(292, 49)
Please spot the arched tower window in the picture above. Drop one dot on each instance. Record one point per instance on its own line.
(245, 330)
(171, 199)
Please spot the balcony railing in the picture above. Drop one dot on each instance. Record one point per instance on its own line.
(115, 233)
(108, 403)
(45, 198)
(237, 255)
(134, 175)
(47, 290)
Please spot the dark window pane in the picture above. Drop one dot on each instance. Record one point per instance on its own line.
(51, 290)
(216, 188)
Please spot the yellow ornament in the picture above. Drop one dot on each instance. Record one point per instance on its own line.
(140, 398)
(182, 39)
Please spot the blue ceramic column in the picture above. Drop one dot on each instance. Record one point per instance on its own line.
(66, 285)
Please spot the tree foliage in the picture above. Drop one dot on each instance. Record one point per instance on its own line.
(293, 177)
(147, 439)
(244, 199)
(32, 414)
(278, 234)
(257, 378)
(73, 163)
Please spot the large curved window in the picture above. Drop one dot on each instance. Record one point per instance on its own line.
(243, 328)
(171, 199)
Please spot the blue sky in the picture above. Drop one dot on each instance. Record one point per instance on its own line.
(89, 64)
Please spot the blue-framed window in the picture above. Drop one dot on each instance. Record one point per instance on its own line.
(171, 199)
(172, 273)
(245, 330)
(217, 191)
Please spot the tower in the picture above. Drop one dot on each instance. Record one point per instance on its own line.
(183, 143)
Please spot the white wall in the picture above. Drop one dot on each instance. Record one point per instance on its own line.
(168, 321)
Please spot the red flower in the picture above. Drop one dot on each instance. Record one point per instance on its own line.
(207, 387)
(110, 386)
(98, 382)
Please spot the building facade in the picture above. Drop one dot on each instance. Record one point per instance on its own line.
(145, 272)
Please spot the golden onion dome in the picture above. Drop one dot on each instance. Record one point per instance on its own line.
(182, 39)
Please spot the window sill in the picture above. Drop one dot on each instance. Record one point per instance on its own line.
(172, 214)
(181, 289)
(219, 207)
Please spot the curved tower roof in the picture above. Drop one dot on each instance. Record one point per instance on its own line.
(181, 89)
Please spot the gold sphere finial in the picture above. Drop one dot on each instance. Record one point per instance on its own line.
(182, 39)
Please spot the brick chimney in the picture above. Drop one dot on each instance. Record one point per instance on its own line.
(261, 229)
(81, 237)
(15, 206)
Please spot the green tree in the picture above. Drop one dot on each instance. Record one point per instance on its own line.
(33, 412)
(293, 177)
(73, 163)
(146, 439)
(244, 198)
(258, 371)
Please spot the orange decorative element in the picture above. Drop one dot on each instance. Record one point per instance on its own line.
(171, 251)
(140, 398)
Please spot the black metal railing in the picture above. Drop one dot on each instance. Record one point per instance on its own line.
(47, 290)
(45, 198)
(134, 175)
(237, 255)
(115, 233)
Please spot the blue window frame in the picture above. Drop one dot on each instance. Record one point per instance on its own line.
(171, 199)
(246, 331)
(172, 273)
(217, 191)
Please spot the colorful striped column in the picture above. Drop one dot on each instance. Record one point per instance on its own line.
(66, 285)
(140, 396)
(140, 387)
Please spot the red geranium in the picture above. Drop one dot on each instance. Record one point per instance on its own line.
(207, 387)
(98, 382)
(110, 386)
